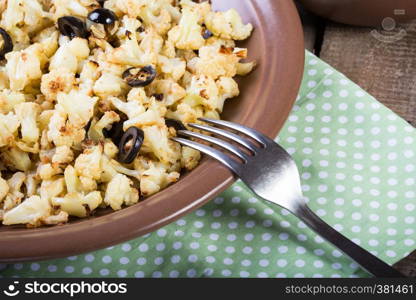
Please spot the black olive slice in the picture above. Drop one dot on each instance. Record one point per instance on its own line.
(130, 144)
(139, 77)
(178, 125)
(102, 16)
(6, 44)
(115, 133)
(73, 27)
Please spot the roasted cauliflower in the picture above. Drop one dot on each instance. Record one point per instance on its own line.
(87, 107)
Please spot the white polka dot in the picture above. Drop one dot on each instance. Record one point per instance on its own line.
(176, 259)
(327, 94)
(122, 273)
(124, 260)
(107, 259)
(139, 274)
(161, 232)
(34, 266)
(391, 253)
(299, 263)
(126, 247)
(143, 248)
(212, 248)
(263, 262)
(247, 250)
(229, 249)
(343, 93)
(52, 268)
(69, 269)
(282, 249)
(104, 272)
(328, 81)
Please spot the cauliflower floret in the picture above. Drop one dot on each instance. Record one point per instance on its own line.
(202, 91)
(153, 116)
(215, 61)
(228, 25)
(9, 99)
(245, 68)
(109, 85)
(57, 81)
(63, 155)
(130, 108)
(156, 178)
(156, 141)
(31, 183)
(78, 8)
(88, 77)
(190, 158)
(130, 52)
(228, 88)
(15, 195)
(70, 55)
(27, 114)
(110, 150)
(202, 8)
(79, 107)
(47, 171)
(52, 188)
(4, 189)
(23, 13)
(186, 113)
(30, 211)
(48, 39)
(172, 91)
(15, 158)
(96, 130)
(72, 182)
(62, 133)
(173, 67)
(8, 128)
(188, 33)
(60, 218)
(25, 66)
(75, 204)
(120, 191)
(131, 8)
(88, 167)
(161, 22)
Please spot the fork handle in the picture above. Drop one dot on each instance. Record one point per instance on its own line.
(364, 258)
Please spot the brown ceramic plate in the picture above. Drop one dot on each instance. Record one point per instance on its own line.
(363, 12)
(266, 99)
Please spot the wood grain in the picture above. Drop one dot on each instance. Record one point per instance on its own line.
(382, 63)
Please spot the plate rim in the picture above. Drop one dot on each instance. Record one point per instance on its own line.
(20, 245)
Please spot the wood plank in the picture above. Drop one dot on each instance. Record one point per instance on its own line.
(312, 28)
(381, 62)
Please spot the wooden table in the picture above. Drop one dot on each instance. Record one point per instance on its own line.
(382, 62)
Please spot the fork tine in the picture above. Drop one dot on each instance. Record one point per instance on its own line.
(226, 134)
(217, 142)
(214, 153)
(254, 134)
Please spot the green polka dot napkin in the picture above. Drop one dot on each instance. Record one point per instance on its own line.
(357, 161)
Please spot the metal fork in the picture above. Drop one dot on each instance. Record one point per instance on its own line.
(270, 172)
